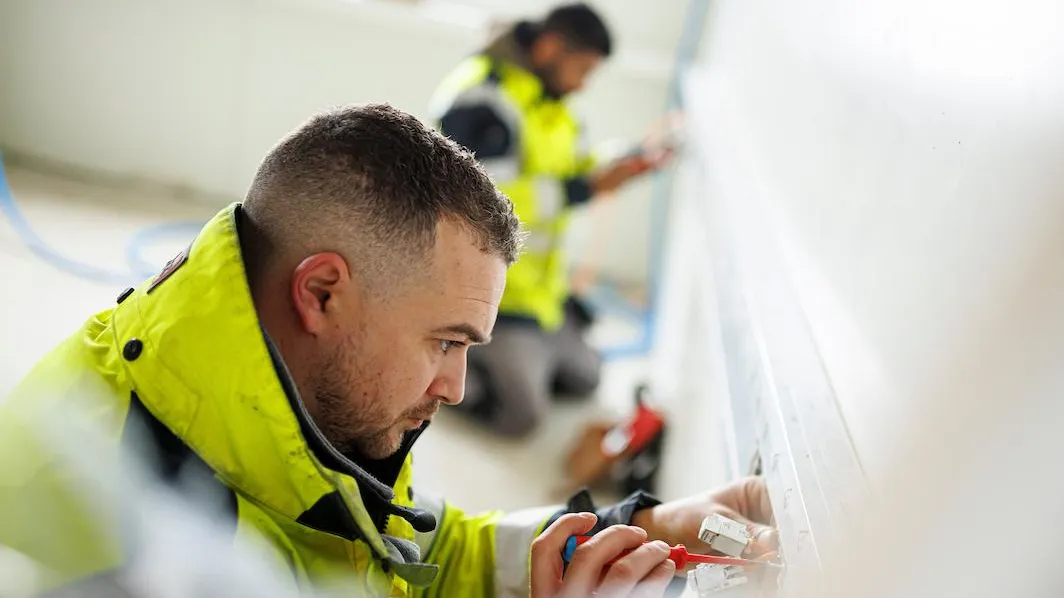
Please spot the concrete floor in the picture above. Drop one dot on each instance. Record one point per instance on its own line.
(93, 223)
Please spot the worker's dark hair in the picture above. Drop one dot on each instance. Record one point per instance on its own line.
(372, 182)
(581, 27)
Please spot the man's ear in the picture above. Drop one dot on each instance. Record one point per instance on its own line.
(547, 48)
(319, 283)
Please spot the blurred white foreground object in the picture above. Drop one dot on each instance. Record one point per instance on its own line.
(891, 172)
(169, 547)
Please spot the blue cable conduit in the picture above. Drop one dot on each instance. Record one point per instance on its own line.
(138, 269)
(661, 194)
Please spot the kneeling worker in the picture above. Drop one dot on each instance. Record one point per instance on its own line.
(292, 356)
(508, 106)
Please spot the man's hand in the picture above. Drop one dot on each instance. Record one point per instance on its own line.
(644, 572)
(745, 500)
(615, 174)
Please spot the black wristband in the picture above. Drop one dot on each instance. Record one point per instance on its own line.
(577, 190)
(615, 514)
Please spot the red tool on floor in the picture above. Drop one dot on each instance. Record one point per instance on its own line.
(627, 451)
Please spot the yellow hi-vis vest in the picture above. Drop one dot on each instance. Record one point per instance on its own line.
(548, 151)
(188, 352)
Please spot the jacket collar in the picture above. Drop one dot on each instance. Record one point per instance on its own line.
(209, 373)
(508, 53)
(511, 45)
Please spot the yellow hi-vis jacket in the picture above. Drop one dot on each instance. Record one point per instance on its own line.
(531, 144)
(186, 355)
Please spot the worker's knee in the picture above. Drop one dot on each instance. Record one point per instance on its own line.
(522, 407)
(583, 381)
(580, 377)
(517, 380)
(517, 423)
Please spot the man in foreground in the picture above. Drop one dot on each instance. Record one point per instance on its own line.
(283, 367)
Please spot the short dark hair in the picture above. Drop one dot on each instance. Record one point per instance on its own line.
(374, 181)
(581, 26)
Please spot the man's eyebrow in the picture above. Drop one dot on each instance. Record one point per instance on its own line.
(472, 334)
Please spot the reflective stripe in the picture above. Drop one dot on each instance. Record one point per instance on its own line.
(434, 505)
(550, 197)
(539, 240)
(502, 170)
(583, 144)
(513, 540)
(489, 94)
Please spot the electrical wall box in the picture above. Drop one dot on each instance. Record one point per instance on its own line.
(724, 535)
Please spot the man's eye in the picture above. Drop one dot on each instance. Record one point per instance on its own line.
(445, 345)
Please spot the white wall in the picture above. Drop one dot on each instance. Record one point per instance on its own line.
(908, 156)
(194, 92)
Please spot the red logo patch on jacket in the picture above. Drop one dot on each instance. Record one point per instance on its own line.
(171, 266)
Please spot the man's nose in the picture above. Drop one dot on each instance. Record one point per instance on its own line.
(449, 385)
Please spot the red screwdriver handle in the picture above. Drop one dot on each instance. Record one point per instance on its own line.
(677, 554)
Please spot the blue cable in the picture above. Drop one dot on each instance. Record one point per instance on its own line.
(694, 24)
(187, 230)
(138, 268)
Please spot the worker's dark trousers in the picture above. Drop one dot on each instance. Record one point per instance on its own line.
(512, 380)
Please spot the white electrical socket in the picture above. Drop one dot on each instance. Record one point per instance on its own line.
(724, 535)
(707, 579)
